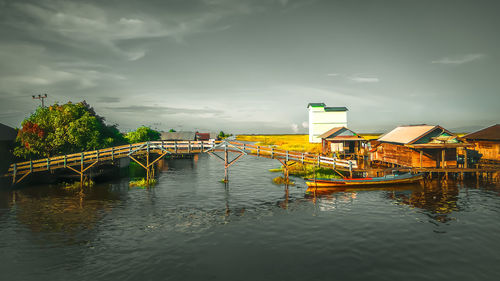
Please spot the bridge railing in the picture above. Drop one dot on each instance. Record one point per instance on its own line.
(173, 147)
(108, 154)
(303, 157)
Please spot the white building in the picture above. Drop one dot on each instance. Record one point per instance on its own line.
(322, 119)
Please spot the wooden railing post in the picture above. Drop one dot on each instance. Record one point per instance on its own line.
(272, 152)
(65, 161)
(48, 164)
(14, 172)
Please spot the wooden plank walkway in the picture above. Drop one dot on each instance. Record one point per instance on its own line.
(162, 148)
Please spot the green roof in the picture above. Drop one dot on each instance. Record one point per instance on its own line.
(318, 104)
(342, 108)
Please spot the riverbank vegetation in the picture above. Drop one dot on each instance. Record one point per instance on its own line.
(63, 129)
(69, 128)
(143, 134)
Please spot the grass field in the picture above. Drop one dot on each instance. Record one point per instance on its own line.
(298, 143)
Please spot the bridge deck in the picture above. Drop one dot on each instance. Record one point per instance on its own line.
(172, 147)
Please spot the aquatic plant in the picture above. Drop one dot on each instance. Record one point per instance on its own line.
(282, 180)
(142, 182)
(309, 171)
(77, 184)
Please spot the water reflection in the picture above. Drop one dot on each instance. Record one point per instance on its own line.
(438, 199)
(60, 209)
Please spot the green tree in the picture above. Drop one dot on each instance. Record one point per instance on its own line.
(143, 134)
(222, 135)
(62, 129)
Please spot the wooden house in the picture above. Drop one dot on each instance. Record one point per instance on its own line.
(486, 142)
(202, 136)
(341, 141)
(418, 146)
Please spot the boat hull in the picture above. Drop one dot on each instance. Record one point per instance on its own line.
(364, 182)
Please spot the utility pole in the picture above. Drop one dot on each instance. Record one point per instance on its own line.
(40, 97)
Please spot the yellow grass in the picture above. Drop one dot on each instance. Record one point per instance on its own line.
(370, 136)
(298, 143)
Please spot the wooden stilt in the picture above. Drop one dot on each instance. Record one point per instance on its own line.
(226, 165)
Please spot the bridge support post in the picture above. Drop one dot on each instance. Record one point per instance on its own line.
(82, 170)
(226, 165)
(286, 170)
(225, 146)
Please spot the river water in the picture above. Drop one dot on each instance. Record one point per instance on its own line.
(190, 226)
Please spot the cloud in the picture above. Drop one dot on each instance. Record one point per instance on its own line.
(332, 74)
(359, 79)
(122, 30)
(295, 128)
(164, 110)
(305, 124)
(108, 99)
(459, 60)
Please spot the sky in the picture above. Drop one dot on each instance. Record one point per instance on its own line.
(253, 66)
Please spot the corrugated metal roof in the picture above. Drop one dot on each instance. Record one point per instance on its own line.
(178, 135)
(340, 133)
(346, 138)
(489, 133)
(7, 133)
(331, 132)
(406, 134)
(340, 108)
(320, 104)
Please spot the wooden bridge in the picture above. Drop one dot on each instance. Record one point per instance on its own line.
(81, 162)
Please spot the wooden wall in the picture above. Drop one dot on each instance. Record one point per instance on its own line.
(405, 156)
(489, 149)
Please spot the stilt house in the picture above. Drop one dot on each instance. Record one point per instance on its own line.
(487, 143)
(418, 146)
(341, 141)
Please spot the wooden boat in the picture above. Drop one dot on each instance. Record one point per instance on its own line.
(368, 182)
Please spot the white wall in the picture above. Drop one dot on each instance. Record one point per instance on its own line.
(321, 121)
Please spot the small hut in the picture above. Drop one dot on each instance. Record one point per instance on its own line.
(487, 143)
(342, 142)
(418, 146)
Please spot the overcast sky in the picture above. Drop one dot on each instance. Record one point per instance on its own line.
(253, 66)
